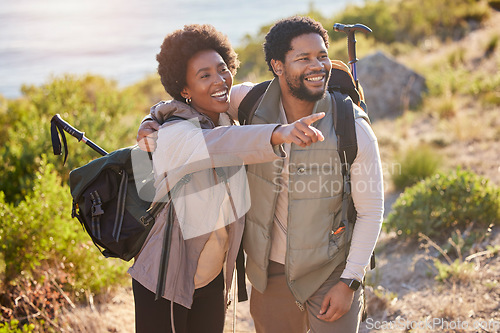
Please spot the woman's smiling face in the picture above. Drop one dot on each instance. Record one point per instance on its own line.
(208, 82)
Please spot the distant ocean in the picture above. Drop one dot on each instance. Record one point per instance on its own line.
(118, 39)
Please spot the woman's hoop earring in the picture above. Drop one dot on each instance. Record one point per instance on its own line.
(188, 101)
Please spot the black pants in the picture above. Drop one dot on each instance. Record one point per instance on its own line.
(206, 313)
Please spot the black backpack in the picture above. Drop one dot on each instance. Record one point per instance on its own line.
(113, 207)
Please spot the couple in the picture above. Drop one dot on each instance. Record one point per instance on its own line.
(298, 282)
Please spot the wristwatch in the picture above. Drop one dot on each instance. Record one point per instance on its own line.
(351, 283)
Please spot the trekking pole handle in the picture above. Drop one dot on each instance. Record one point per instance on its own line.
(68, 128)
(350, 30)
(77, 134)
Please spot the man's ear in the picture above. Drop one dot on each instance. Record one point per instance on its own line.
(277, 66)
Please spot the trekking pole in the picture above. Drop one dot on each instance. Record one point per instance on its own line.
(350, 30)
(57, 123)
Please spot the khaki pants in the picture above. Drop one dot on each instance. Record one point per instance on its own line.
(275, 310)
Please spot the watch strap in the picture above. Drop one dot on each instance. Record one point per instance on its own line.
(351, 283)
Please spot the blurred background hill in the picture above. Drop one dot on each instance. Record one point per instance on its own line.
(438, 253)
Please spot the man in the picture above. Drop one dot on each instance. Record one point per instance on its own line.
(295, 244)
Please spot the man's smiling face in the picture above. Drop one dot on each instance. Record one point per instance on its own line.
(307, 67)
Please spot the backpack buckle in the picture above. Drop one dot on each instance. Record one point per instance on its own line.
(74, 209)
(97, 210)
(96, 204)
(146, 219)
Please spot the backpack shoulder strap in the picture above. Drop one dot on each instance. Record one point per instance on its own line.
(345, 129)
(347, 150)
(248, 104)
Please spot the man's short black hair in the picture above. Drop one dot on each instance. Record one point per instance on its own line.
(279, 38)
(181, 45)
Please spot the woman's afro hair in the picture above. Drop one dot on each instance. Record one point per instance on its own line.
(179, 46)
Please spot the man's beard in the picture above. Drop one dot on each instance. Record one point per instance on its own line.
(298, 88)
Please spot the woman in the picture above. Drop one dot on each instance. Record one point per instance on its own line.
(200, 162)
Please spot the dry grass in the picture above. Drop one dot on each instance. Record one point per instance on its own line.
(115, 315)
(466, 126)
(470, 138)
(405, 271)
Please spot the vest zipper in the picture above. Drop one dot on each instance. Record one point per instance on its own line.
(300, 306)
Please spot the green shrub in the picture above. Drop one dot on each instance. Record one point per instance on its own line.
(446, 82)
(443, 79)
(147, 92)
(456, 271)
(13, 327)
(416, 164)
(412, 21)
(90, 103)
(378, 15)
(444, 202)
(486, 88)
(39, 232)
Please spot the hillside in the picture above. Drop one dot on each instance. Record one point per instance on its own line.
(404, 290)
(469, 135)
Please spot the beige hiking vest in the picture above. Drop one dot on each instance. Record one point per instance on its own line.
(314, 210)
